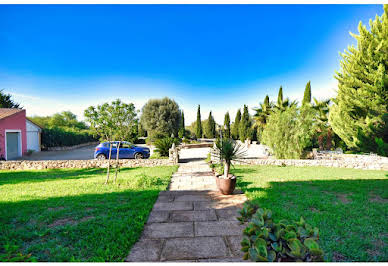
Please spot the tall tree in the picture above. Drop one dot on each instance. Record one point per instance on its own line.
(307, 94)
(236, 125)
(359, 115)
(322, 123)
(6, 101)
(210, 127)
(115, 121)
(227, 125)
(245, 125)
(160, 117)
(198, 126)
(282, 104)
(182, 129)
(261, 117)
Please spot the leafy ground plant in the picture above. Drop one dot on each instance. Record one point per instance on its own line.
(349, 206)
(70, 215)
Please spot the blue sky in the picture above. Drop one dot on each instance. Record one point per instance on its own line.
(68, 57)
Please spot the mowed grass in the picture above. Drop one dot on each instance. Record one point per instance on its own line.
(70, 215)
(349, 206)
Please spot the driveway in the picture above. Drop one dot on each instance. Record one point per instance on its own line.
(83, 153)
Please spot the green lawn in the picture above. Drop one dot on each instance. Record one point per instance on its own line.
(349, 206)
(70, 215)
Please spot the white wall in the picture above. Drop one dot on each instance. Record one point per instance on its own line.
(33, 136)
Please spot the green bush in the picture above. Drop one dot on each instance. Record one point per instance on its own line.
(382, 147)
(156, 155)
(61, 137)
(164, 144)
(265, 240)
(289, 132)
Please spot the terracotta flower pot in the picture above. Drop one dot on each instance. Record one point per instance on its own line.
(226, 186)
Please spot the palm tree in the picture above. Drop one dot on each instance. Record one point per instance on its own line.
(322, 122)
(263, 112)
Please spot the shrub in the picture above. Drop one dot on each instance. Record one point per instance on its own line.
(265, 240)
(60, 137)
(156, 155)
(164, 144)
(289, 132)
(382, 147)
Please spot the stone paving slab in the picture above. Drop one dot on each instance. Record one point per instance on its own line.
(146, 250)
(191, 216)
(218, 228)
(173, 206)
(192, 221)
(158, 217)
(167, 230)
(199, 197)
(194, 248)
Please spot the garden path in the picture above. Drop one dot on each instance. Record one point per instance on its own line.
(192, 221)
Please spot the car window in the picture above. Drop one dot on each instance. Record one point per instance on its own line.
(125, 145)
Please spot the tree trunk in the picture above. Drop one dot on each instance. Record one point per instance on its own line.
(226, 169)
(117, 161)
(110, 153)
(328, 140)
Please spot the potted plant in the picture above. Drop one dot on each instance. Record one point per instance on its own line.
(227, 151)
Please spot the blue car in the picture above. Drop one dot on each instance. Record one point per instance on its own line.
(127, 151)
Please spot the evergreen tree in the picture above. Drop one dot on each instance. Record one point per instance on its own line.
(282, 104)
(210, 127)
(307, 94)
(236, 125)
(6, 101)
(359, 113)
(198, 127)
(227, 125)
(280, 96)
(245, 125)
(182, 130)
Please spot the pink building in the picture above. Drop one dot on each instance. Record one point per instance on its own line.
(13, 135)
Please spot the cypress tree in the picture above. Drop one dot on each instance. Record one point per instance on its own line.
(182, 130)
(198, 127)
(227, 125)
(359, 115)
(236, 125)
(210, 127)
(266, 101)
(307, 94)
(245, 125)
(280, 97)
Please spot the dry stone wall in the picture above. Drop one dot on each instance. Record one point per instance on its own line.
(366, 162)
(55, 164)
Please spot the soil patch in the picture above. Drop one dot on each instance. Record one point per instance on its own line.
(61, 222)
(377, 198)
(338, 256)
(343, 197)
(56, 208)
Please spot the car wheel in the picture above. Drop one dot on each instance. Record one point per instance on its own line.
(101, 157)
(139, 156)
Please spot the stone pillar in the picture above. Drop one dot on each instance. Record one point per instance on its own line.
(173, 154)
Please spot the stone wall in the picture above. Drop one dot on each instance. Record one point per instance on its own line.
(366, 162)
(54, 164)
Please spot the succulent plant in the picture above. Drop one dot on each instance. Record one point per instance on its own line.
(265, 240)
(247, 211)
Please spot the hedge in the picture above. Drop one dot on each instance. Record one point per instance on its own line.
(60, 137)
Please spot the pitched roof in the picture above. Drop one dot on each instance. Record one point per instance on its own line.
(6, 112)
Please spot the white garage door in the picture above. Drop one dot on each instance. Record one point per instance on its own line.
(33, 141)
